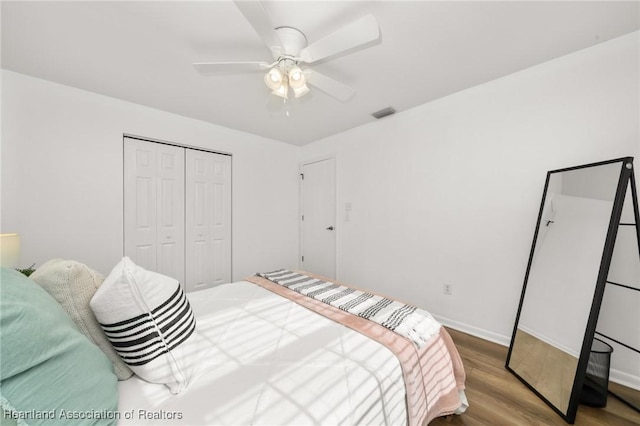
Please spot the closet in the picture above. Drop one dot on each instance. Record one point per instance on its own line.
(177, 212)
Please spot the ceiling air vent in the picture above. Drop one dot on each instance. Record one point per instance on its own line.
(384, 112)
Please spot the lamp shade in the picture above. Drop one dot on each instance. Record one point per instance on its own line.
(300, 91)
(274, 79)
(9, 250)
(298, 81)
(296, 77)
(281, 91)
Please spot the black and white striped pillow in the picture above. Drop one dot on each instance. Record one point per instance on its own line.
(148, 320)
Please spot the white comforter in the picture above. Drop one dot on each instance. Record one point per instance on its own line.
(272, 362)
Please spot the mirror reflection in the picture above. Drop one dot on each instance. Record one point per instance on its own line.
(562, 278)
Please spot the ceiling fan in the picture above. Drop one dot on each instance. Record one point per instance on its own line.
(290, 50)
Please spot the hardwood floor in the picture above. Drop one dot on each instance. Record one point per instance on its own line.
(497, 397)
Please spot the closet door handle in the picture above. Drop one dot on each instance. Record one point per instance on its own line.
(330, 228)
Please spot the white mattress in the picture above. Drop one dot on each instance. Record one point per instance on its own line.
(272, 362)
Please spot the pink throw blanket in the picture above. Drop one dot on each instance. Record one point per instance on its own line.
(433, 374)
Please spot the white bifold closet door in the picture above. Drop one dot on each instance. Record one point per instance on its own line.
(177, 212)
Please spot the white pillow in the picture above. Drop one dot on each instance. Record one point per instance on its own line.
(150, 324)
(73, 284)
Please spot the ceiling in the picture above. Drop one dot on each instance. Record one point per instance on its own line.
(143, 52)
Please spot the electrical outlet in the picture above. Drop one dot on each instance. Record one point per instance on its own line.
(447, 288)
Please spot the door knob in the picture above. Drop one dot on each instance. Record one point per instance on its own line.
(330, 228)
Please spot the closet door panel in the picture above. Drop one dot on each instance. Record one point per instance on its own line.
(221, 272)
(140, 185)
(154, 206)
(208, 231)
(171, 211)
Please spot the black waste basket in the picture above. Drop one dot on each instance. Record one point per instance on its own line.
(596, 381)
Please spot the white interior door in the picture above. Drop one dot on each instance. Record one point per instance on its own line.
(319, 217)
(154, 206)
(208, 222)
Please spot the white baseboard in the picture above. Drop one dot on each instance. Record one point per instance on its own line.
(615, 376)
(624, 379)
(474, 331)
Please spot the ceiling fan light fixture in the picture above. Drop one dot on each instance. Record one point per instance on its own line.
(296, 77)
(274, 79)
(289, 47)
(300, 91)
(282, 91)
(297, 81)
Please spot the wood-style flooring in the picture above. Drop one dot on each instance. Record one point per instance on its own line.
(497, 397)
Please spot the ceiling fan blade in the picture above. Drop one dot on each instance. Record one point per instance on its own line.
(355, 34)
(259, 19)
(328, 85)
(229, 67)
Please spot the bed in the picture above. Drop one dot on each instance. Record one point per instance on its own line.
(265, 357)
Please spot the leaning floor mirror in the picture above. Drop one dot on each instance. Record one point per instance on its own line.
(565, 279)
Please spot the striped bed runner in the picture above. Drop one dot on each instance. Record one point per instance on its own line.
(415, 324)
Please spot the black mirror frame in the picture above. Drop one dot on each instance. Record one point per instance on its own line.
(626, 174)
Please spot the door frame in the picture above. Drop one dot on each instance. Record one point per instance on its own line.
(313, 160)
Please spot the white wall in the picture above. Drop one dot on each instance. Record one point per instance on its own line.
(62, 176)
(449, 192)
